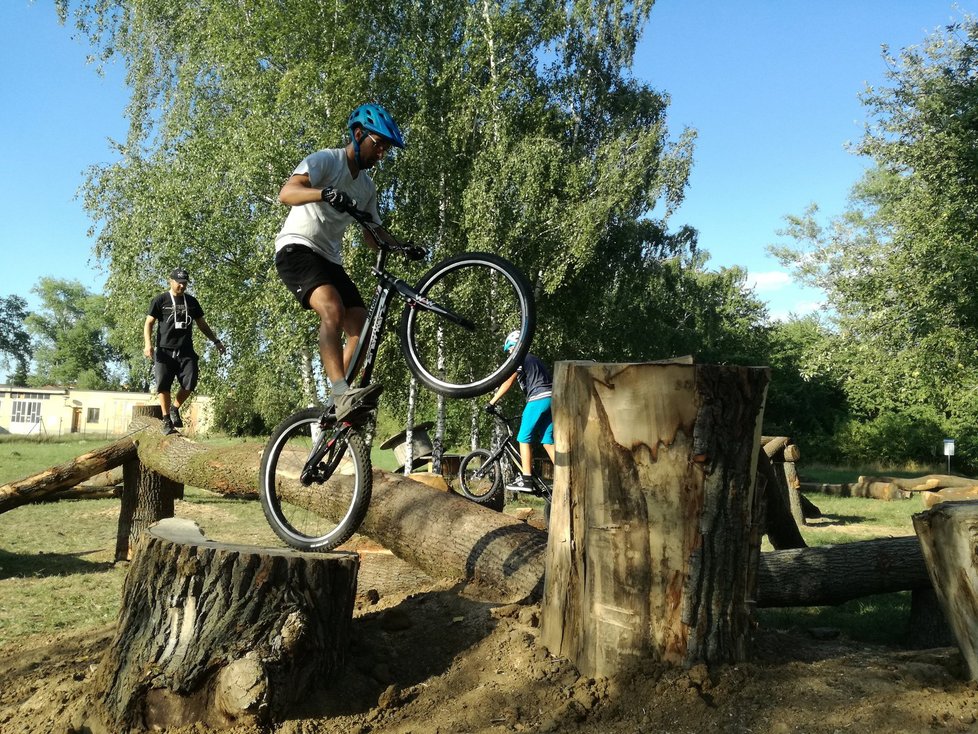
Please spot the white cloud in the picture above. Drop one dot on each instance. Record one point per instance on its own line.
(774, 280)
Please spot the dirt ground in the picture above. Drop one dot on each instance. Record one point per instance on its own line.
(433, 657)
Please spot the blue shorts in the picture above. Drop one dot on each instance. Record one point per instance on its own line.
(537, 423)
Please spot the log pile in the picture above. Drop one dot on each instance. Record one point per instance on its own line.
(935, 488)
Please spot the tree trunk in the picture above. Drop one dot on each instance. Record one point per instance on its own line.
(833, 574)
(779, 525)
(147, 496)
(218, 633)
(66, 475)
(655, 553)
(949, 538)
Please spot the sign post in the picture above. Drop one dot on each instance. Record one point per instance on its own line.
(949, 452)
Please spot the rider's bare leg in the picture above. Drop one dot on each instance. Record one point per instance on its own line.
(549, 448)
(526, 458)
(326, 302)
(356, 317)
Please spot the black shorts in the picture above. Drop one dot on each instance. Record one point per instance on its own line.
(170, 364)
(302, 271)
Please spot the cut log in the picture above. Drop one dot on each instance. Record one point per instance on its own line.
(833, 574)
(949, 494)
(654, 553)
(926, 483)
(870, 490)
(949, 538)
(441, 533)
(216, 633)
(779, 526)
(83, 492)
(66, 475)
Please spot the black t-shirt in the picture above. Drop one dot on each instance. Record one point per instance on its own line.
(173, 325)
(534, 377)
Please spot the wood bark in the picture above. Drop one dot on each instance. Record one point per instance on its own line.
(218, 633)
(949, 494)
(68, 474)
(147, 496)
(655, 552)
(949, 539)
(833, 574)
(779, 525)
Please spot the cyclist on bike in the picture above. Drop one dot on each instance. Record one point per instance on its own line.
(537, 422)
(320, 191)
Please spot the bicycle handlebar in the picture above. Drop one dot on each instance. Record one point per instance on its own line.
(385, 240)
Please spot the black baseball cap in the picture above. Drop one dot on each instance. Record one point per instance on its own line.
(179, 275)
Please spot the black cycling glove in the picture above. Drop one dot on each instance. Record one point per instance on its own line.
(338, 199)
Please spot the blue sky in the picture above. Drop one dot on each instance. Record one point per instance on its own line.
(771, 86)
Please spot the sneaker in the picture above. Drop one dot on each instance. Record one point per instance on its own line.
(521, 483)
(167, 426)
(355, 399)
(175, 417)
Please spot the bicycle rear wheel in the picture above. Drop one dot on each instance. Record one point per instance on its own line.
(479, 481)
(460, 353)
(326, 512)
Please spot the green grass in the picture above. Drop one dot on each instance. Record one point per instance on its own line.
(56, 569)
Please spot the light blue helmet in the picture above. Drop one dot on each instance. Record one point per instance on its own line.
(511, 340)
(375, 119)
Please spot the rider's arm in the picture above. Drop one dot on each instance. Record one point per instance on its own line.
(502, 389)
(298, 190)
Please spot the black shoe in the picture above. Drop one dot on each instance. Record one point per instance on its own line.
(167, 426)
(175, 417)
(521, 483)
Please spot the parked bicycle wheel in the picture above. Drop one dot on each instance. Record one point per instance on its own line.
(491, 298)
(480, 482)
(326, 512)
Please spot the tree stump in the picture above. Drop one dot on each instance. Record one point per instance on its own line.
(220, 633)
(655, 532)
(147, 496)
(949, 540)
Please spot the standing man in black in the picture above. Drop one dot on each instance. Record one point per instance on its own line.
(174, 357)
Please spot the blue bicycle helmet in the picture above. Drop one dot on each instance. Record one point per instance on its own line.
(374, 119)
(511, 340)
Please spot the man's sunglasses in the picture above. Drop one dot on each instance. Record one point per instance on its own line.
(379, 143)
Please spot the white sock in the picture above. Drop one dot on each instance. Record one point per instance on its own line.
(340, 387)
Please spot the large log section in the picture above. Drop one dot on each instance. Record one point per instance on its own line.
(949, 537)
(655, 527)
(221, 633)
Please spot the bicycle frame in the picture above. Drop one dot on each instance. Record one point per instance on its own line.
(511, 450)
(388, 286)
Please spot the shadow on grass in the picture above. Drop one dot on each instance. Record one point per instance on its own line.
(21, 565)
(827, 520)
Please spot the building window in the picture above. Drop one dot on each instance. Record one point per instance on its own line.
(26, 411)
(92, 415)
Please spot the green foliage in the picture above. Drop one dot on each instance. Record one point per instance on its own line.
(15, 342)
(70, 331)
(899, 267)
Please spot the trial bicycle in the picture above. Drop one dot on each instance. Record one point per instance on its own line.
(482, 472)
(315, 477)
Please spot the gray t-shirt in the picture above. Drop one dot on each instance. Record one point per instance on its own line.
(318, 225)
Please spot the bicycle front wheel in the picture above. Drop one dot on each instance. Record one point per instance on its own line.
(479, 481)
(453, 336)
(324, 513)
